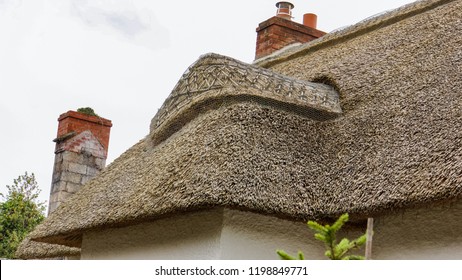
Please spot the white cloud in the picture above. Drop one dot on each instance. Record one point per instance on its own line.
(9, 4)
(123, 17)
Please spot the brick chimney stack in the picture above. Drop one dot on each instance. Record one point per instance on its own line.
(280, 31)
(81, 150)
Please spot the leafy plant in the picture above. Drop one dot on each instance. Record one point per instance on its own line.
(283, 255)
(19, 213)
(328, 235)
(87, 111)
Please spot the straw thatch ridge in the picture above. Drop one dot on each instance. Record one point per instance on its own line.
(360, 29)
(215, 79)
(29, 249)
(397, 143)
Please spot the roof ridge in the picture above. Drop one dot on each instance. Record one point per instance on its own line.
(215, 79)
(345, 34)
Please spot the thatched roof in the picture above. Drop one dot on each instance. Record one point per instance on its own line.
(363, 27)
(215, 80)
(395, 143)
(29, 249)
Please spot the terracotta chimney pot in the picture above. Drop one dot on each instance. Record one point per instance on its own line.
(310, 20)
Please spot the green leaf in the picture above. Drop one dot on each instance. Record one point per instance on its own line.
(87, 111)
(19, 213)
(340, 222)
(344, 243)
(284, 256)
(320, 237)
(317, 227)
(360, 241)
(353, 258)
(327, 235)
(342, 248)
(328, 254)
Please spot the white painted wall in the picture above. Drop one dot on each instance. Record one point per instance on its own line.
(425, 233)
(186, 236)
(248, 235)
(434, 232)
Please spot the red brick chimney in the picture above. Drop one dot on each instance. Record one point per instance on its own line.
(80, 154)
(280, 31)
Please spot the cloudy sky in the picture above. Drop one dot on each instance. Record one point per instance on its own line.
(122, 58)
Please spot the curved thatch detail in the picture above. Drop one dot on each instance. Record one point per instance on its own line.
(216, 79)
(397, 143)
(29, 249)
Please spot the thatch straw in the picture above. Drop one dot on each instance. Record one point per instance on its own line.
(214, 80)
(29, 249)
(360, 29)
(397, 143)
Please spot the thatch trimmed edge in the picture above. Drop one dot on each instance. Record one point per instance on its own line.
(30, 249)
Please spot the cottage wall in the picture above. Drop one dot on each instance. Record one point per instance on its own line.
(187, 236)
(424, 233)
(214, 234)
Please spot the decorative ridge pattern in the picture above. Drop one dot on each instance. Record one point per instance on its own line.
(213, 78)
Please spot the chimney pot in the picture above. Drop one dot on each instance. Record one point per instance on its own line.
(310, 20)
(280, 31)
(284, 10)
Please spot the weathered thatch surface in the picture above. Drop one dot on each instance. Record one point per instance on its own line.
(397, 143)
(215, 79)
(29, 249)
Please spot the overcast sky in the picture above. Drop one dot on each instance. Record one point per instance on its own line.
(122, 58)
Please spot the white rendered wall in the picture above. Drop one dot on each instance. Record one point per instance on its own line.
(248, 235)
(187, 236)
(425, 233)
(213, 234)
(434, 232)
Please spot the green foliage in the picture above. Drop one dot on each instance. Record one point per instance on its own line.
(87, 111)
(19, 213)
(284, 256)
(328, 235)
